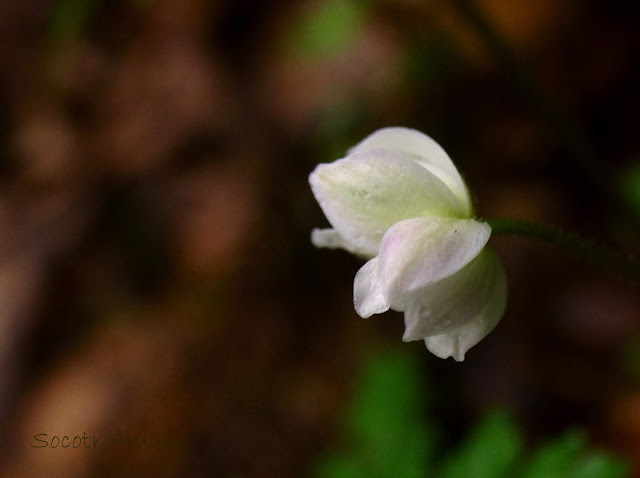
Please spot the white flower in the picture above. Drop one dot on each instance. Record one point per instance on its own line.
(398, 200)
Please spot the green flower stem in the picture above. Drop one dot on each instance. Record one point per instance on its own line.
(588, 250)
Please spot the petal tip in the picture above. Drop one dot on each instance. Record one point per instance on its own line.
(325, 238)
(368, 298)
(314, 177)
(366, 312)
(445, 346)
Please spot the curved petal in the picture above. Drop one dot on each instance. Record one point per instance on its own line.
(425, 151)
(420, 251)
(368, 298)
(366, 193)
(331, 239)
(448, 304)
(456, 343)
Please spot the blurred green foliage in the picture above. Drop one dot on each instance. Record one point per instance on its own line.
(630, 186)
(491, 449)
(386, 430)
(327, 29)
(629, 359)
(568, 457)
(388, 435)
(70, 18)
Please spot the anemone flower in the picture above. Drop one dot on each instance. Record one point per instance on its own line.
(398, 200)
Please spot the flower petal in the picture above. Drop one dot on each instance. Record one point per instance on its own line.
(331, 239)
(425, 151)
(366, 193)
(456, 343)
(368, 298)
(420, 251)
(448, 304)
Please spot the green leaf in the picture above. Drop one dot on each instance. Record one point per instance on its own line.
(386, 435)
(600, 465)
(490, 451)
(340, 466)
(557, 458)
(386, 430)
(388, 397)
(566, 457)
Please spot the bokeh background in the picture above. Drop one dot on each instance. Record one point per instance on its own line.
(157, 284)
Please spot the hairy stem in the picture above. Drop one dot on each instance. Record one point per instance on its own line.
(583, 248)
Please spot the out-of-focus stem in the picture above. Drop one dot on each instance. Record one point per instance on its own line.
(572, 243)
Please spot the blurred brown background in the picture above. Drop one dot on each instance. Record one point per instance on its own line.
(156, 275)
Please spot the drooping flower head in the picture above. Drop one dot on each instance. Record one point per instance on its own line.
(398, 200)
